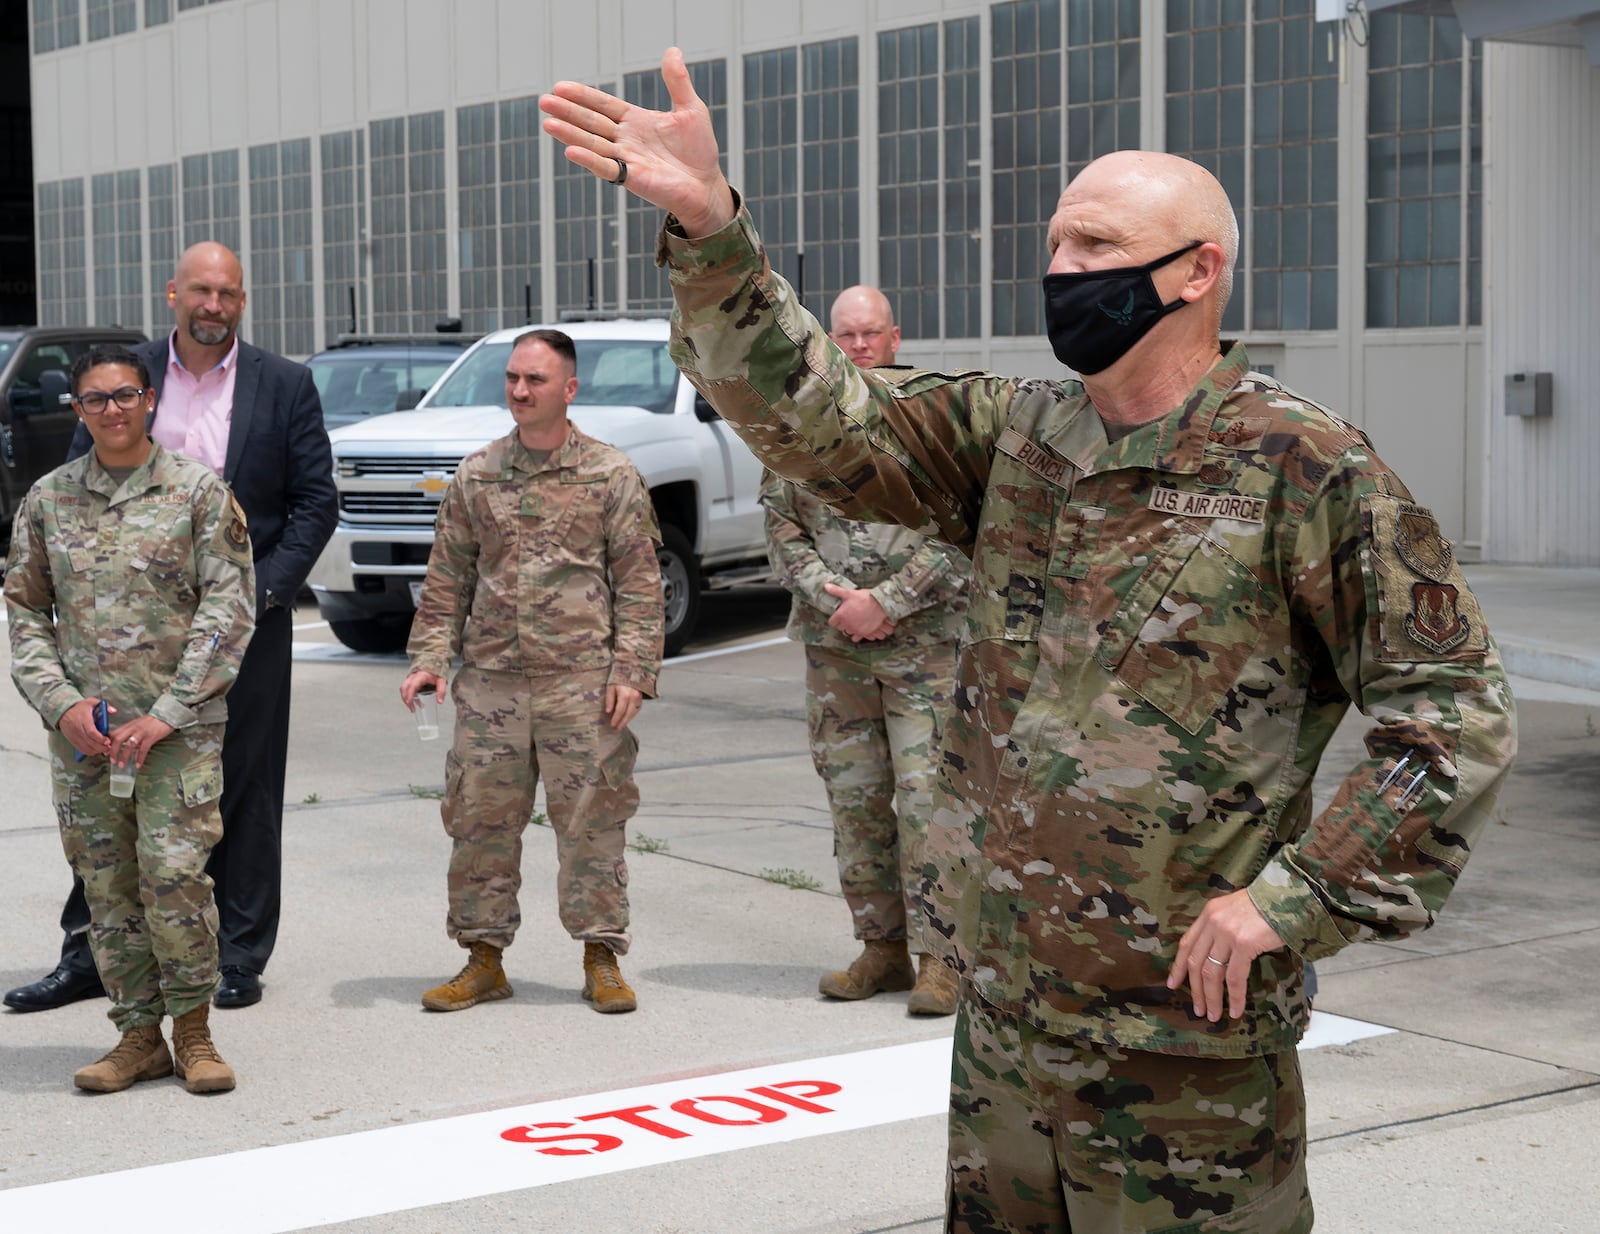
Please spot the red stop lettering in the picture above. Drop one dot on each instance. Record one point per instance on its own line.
(813, 1088)
(763, 1113)
(634, 1117)
(597, 1143)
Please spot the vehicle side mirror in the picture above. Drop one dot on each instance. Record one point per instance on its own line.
(407, 399)
(703, 410)
(55, 392)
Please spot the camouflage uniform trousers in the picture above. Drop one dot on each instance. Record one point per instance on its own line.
(1050, 1136)
(511, 728)
(152, 919)
(874, 721)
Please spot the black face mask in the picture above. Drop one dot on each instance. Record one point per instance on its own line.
(1093, 318)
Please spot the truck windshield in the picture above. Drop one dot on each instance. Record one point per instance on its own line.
(611, 373)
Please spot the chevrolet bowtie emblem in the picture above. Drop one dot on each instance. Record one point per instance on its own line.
(432, 485)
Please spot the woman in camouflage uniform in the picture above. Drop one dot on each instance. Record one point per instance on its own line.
(130, 584)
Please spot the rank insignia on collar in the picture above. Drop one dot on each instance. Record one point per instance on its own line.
(1421, 544)
(1435, 619)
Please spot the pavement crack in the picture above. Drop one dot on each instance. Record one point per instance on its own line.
(1457, 1113)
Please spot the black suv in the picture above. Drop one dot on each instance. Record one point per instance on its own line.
(36, 427)
(365, 375)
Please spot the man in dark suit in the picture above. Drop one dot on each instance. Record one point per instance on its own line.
(255, 418)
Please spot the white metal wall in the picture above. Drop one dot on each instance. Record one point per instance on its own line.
(1542, 302)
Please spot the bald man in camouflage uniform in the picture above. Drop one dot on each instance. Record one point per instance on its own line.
(130, 581)
(546, 540)
(1184, 575)
(878, 609)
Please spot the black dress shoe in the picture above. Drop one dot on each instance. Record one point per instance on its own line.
(241, 987)
(65, 985)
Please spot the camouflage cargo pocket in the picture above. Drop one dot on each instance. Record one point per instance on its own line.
(202, 782)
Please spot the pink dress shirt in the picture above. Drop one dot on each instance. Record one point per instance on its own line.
(195, 412)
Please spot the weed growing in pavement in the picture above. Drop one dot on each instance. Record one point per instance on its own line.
(310, 799)
(426, 793)
(798, 879)
(642, 843)
(1588, 725)
(539, 820)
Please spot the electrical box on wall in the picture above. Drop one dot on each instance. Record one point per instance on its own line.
(1528, 394)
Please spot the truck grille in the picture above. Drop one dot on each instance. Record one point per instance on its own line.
(356, 465)
(379, 505)
(393, 489)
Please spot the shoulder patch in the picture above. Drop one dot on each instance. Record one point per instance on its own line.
(237, 525)
(1425, 610)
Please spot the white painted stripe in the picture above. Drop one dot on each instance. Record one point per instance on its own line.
(393, 1169)
(313, 625)
(727, 651)
(1326, 1029)
(338, 653)
(344, 1178)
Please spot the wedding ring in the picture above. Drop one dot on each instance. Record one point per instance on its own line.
(622, 171)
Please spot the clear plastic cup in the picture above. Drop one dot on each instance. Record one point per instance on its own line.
(122, 780)
(426, 708)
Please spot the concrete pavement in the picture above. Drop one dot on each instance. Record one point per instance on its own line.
(1477, 1113)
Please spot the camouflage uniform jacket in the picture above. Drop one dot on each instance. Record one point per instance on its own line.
(1163, 634)
(142, 594)
(555, 564)
(920, 583)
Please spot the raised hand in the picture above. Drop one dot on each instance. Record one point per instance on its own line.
(670, 156)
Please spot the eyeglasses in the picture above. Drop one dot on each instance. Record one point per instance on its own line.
(94, 402)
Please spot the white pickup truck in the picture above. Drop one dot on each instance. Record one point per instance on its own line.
(392, 471)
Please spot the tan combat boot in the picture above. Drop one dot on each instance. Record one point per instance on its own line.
(140, 1055)
(198, 1064)
(935, 991)
(883, 964)
(481, 980)
(602, 980)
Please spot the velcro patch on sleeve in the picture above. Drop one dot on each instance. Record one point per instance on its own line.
(1426, 611)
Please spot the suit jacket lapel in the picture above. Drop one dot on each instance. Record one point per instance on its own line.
(246, 385)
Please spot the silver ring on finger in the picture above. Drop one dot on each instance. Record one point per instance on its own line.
(1211, 959)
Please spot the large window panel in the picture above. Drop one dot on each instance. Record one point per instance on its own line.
(648, 286)
(1294, 206)
(772, 153)
(344, 256)
(1026, 140)
(430, 261)
(118, 249)
(1206, 100)
(1424, 174)
(520, 297)
(586, 242)
(161, 194)
(477, 236)
(410, 270)
(63, 259)
(831, 204)
(281, 289)
(909, 135)
(391, 284)
(1102, 79)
